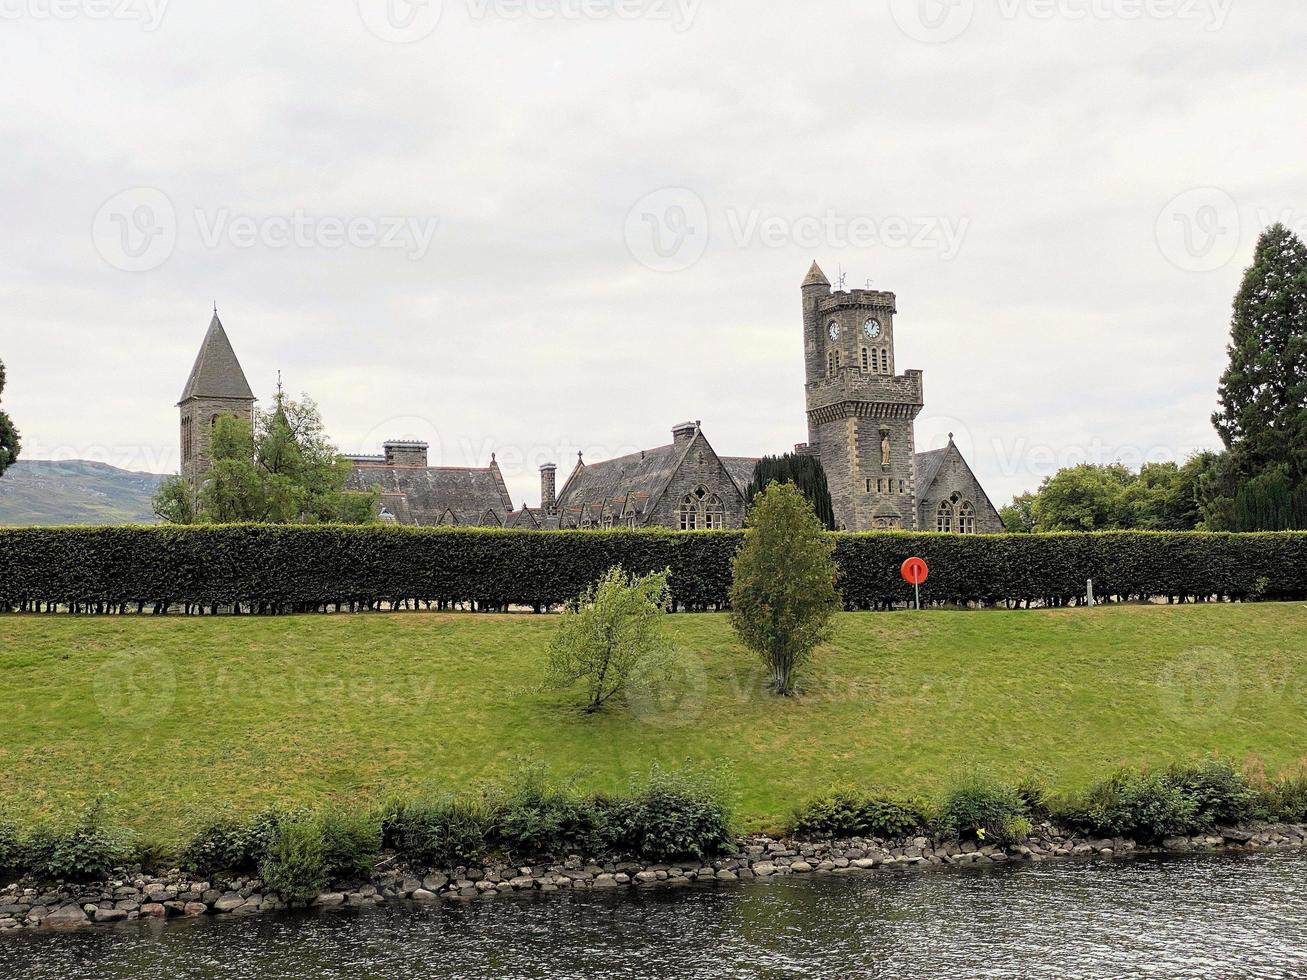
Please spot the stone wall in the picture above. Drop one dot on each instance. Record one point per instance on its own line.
(173, 894)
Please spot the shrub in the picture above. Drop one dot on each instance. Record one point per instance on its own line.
(445, 831)
(673, 815)
(1285, 799)
(1035, 801)
(84, 850)
(1221, 793)
(10, 850)
(611, 635)
(534, 818)
(294, 865)
(981, 809)
(351, 842)
(849, 814)
(1146, 806)
(236, 845)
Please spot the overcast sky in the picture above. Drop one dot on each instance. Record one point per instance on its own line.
(538, 226)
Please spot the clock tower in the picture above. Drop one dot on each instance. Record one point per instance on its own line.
(861, 413)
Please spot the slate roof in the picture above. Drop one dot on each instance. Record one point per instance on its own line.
(216, 372)
(816, 277)
(431, 495)
(740, 468)
(596, 489)
(926, 465)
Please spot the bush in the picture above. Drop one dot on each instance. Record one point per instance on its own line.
(294, 865)
(670, 816)
(1145, 806)
(85, 850)
(1221, 793)
(10, 849)
(443, 832)
(981, 809)
(849, 814)
(230, 845)
(1284, 799)
(534, 818)
(287, 569)
(351, 842)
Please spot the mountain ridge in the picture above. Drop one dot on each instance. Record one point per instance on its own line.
(47, 493)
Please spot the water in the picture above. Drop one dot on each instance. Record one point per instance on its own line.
(1212, 916)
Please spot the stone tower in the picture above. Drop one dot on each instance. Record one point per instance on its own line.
(860, 412)
(216, 386)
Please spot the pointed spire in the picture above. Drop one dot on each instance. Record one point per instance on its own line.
(816, 277)
(216, 372)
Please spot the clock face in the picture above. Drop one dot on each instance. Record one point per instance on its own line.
(833, 328)
(871, 328)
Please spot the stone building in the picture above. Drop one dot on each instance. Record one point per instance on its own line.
(861, 415)
(861, 422)
(216, 386)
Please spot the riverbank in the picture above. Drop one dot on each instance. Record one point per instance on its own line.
(179, 718)
(132, 895)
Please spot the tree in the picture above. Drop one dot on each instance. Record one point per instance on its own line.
(1083, 498)
(1263, 393)
(613, 633)
(9, 442)
(283, 471)
(805, 472)
(783, 595)
(1019, 516)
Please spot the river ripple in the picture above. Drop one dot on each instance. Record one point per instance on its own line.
(1202, 916)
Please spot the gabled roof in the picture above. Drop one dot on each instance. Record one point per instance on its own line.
(216, 372)
(925, 467)
(643, 476)
(428, 495)
(740, 469)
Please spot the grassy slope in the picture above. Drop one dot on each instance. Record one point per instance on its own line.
(177, 716)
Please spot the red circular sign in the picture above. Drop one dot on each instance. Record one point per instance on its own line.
(914, 571)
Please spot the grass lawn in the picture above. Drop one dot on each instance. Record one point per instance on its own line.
(179, 716)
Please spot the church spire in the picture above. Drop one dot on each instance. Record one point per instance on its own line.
(216, 372)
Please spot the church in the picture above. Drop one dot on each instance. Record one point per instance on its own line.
(861, 417)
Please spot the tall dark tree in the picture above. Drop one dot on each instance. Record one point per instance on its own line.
(1263, 393)
(9, 444)
(804, 472)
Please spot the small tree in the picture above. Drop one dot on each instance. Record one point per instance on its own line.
(612, 633)
(9, 444)
(783, 595)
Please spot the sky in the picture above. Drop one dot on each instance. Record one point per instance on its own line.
(538, 227)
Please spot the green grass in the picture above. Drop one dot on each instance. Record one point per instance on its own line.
(177, 717)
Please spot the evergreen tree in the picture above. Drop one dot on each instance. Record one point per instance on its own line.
(1263, 392)
(9, 444)
(804, 472)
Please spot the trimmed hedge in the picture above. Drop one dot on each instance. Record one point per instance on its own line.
(268, 568)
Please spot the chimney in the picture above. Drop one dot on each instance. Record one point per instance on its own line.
(548, 503)
(405, 452)
(683, 433)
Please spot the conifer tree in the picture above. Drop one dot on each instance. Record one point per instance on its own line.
(804, 472)
(9, 444)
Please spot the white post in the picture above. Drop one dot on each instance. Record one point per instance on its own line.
(1089, 587)
(916, 587)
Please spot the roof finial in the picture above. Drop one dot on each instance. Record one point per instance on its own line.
(492, 456)
(215, 307)
(950, 437)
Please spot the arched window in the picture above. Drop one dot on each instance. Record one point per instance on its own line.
(830, 362)
(188, 446)
(714, 513)
(884, 360)
(966, 518)
(944, 517)
(866, 360)
(689, 513)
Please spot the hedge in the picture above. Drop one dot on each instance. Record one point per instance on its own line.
(262, 568)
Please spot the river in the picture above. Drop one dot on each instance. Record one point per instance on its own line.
(1192, 916)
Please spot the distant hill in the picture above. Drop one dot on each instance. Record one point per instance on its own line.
(75, 491)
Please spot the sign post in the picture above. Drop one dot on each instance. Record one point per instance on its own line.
(914, 572)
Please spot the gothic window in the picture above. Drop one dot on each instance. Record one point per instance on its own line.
(966, 518)
(608, 523)
(944, 517)
(884, 361)
(187, 445)
(866, 360)
(830, 362)
(714, 513)
(689, 512)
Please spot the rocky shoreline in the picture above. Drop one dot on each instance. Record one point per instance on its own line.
(134, 895)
